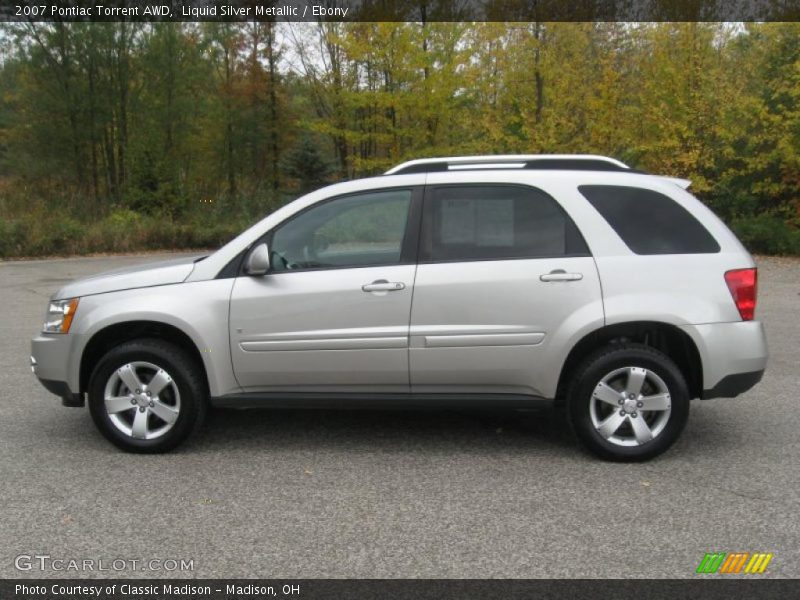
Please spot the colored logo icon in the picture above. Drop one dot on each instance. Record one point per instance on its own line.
(734, 562)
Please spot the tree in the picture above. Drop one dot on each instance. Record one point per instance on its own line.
(305, 164)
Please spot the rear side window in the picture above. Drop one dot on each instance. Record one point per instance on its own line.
(649, 222)
(486, 222)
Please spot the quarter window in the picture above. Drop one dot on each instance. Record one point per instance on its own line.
(465, 223)
(352, 231)
(649, 222)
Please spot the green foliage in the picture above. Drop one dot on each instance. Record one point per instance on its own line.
(34, 236)
(126, 136)
(12, 238)
(63, 236)
(766, 234)
(123, 230)
(306, 164)
(122, 220)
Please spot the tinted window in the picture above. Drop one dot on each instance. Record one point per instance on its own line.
(496, 222)
(649, 222)
(353, 231)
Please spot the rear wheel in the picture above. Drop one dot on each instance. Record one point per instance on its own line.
(628, 402)
(147, 396)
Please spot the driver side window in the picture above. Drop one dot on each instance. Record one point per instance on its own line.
(353, 231)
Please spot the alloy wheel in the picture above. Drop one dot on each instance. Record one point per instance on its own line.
(630, 406)
(142, 400)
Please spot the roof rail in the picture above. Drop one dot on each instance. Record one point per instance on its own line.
(568, 162)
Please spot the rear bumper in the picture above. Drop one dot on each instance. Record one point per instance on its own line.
(733, 385)
(733, 355)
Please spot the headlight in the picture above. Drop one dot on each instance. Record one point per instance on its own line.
(60, 315)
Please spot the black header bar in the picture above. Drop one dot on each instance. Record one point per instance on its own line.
(399, 10)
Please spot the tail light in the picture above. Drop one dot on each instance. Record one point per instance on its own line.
(743, 285)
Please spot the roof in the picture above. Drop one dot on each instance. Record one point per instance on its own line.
(554, 162)
(569, 162)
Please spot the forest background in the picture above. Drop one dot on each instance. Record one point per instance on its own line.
(118, 137)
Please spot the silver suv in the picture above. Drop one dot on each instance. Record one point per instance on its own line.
(494, 281)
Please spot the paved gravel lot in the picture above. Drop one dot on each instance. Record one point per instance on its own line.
(396, 494)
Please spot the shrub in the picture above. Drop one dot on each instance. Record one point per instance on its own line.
(121, 231)
(765, 234)
(13, 235)
(63, 236)
(123, 219)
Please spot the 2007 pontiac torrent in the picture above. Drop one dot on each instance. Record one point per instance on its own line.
(493, 281)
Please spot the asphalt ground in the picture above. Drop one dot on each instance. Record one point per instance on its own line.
(456, 494)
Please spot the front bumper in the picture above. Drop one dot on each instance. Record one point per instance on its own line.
(61, 389)
(50, 362)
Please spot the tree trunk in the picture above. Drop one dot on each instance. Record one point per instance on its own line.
(122, 85)
(229, 120)
(537, 74)
(273, 105)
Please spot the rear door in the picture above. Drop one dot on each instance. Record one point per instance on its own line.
(502, 269)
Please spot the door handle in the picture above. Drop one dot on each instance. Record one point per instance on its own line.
(381, 285)
(561, 275)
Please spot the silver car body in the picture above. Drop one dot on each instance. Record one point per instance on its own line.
(493, 327)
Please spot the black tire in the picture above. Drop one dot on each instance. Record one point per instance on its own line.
(184, 373)
(607, 360)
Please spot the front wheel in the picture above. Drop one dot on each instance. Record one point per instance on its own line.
(147, 396)
(628, 402)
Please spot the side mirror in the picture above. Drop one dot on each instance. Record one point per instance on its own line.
(257, 261)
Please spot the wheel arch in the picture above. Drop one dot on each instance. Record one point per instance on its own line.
(113, 335)
(668, 338)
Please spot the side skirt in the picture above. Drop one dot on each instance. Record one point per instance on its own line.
(331, 401)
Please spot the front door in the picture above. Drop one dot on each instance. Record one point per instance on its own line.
(332, 313)
(502, 272)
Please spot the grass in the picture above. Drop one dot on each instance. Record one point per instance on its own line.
(64, 226)
(121, 231)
